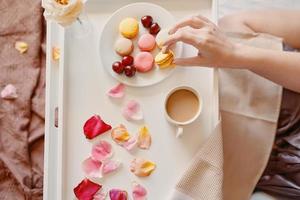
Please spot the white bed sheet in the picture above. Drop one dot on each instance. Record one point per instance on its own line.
(230, 6)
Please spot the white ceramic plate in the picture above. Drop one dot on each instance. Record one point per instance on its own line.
(110, 33)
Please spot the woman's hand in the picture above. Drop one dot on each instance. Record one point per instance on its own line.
(214, 49)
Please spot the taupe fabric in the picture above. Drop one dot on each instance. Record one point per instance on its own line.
(22, 119)
(249, 106)
(245, 153)
(282, 174)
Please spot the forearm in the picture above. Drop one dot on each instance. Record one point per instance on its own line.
(281, 23)
(280, 67)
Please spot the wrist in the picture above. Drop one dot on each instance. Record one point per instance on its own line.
(247, 57)
(235, 57)
(239, 56)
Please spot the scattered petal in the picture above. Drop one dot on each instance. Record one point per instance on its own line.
(117, 194)
(9, 92)
(139, 192)
(43, 47)
(55, 53)
(130, 144)
(133, 111)
(86, 189)
(120, 134)
(100, 195)
(21, 46)
(142, 167)
(92, 168)
(117, 91)
(144, 138)
(110, 166)
(95, 126)
(102, 150)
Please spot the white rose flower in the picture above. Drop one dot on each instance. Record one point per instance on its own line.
(63, 12)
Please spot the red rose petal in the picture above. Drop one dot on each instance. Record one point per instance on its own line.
(95, 126)
(86, 189)
(117, 194)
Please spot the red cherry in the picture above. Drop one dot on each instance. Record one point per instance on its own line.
(154, 29)
(129, 71)
(147, 21)
(127, 60)
(118, 67)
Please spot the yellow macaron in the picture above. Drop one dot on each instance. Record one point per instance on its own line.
(164, 59)
(129, 27)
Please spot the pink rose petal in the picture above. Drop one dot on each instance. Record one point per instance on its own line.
(9, 92)
(100, 195)
(130, 144)
(117, 91)
(117, 194)
(92, 168)
(139, 192)
(110, 166)
(132, 111)
(102, 150)
(86, 189)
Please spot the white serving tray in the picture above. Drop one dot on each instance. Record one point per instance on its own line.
(77, 85)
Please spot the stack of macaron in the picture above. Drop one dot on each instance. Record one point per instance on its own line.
(143, 61)
(164, 59)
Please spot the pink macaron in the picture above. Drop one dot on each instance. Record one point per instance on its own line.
(143, 61)
(146, 42)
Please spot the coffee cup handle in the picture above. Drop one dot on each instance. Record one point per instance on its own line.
(179, 131)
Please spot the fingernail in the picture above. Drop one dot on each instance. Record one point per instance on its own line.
(170, 31)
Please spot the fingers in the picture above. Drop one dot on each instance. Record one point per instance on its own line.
(164, 49)
(190, 61)
(194, 37)
(194, 22)
(184, 36)
(204, 19)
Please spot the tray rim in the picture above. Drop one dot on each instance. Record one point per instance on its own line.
(53, 185)
(53, 92)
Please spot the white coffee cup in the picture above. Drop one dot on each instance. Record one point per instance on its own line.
(181, 124)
